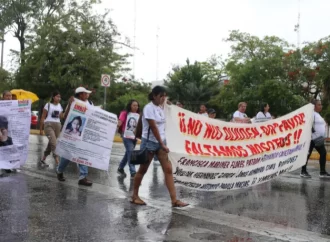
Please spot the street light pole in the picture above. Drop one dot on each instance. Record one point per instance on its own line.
(2, 40)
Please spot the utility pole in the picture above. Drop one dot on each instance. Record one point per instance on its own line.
(157, 53)
(134, 38)
(2, 40)
(297, 27)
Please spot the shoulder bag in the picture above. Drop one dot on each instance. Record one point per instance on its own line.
(140, 157)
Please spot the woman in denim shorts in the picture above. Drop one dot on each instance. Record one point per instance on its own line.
(153, 138)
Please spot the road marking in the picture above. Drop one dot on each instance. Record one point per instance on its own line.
(267, 229)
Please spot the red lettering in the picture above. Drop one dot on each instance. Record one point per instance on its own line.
(302, 117)
(194, 127)
(183, 128)
(288, 139)
(194, 148)
(187, 146)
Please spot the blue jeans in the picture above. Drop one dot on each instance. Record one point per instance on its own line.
(129, 146)
(150, 145)
(83, 170)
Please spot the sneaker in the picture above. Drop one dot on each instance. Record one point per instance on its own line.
(121, 172)
(305, 174)
(133, 175)
(60, 177)
(42, 162)
(324, 174)
(85, 182)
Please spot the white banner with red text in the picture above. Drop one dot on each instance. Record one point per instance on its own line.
(212, 155)
(87, 136)
(15, 121)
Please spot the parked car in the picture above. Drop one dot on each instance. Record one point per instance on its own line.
(34, 119)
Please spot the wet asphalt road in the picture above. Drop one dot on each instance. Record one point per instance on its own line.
(34, 206)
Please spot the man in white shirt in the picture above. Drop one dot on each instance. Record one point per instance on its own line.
(240, 116)
(317, 131)
(82, 94)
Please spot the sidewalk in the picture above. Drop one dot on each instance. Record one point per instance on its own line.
(118, 139)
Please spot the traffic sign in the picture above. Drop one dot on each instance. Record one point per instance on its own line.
(105, 80)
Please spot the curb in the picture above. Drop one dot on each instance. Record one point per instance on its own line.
(118, 139)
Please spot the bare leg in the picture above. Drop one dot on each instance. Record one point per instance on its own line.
(169, 180)
(138, 179)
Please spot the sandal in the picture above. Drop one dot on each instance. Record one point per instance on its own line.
(179, 204)
(138, 201)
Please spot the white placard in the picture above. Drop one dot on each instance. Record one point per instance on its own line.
(87, 136)
(131, 124)
(15, 121)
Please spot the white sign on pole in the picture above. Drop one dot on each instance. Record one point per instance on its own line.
(105, 80)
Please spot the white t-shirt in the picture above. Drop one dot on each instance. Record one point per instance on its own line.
(54, 112)
(153, 112)
(263, 115)
(238, 114)
(204, 114)
(319, 126)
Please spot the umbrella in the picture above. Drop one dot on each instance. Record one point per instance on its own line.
(22, 94)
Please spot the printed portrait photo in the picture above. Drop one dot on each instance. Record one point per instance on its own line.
(5, 140)
(75, 126)
(131, 124)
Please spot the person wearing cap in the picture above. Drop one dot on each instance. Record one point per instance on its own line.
(212, 113)
(81, 94)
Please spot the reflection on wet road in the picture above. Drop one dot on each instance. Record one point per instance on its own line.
(34, 206)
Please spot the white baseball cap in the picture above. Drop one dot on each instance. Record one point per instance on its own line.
(82, 89)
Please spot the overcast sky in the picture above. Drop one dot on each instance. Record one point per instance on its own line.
(195, 29)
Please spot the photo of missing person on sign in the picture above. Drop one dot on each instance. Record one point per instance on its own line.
(75, 126)
(131, 124)
(5, 140)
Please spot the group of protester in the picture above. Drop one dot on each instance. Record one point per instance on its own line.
(318, 131)
(153, 136)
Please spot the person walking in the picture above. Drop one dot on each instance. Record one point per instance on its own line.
(51, 122)
(212, 113)
(153, 139)
(239, 116)
(318, 131)
(129, 143)
(264, 112)
(203, 110)
(81, 94)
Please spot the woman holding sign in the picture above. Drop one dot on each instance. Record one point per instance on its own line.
(264, 112)
(51, 120)
(153, 139)
(127, 124)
